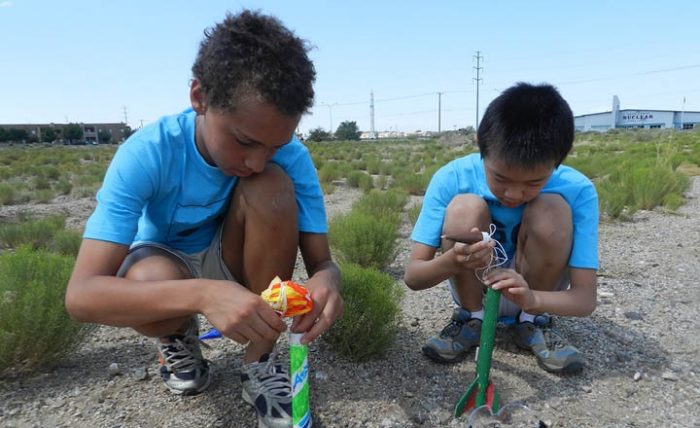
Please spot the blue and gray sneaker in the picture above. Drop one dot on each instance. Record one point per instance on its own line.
(182, 367)
(553, 353)
(267, 387)
(456, 339)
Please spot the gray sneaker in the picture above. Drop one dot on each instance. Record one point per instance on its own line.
(267, 387)
(456, 339)
(183, 369)
(553, 353)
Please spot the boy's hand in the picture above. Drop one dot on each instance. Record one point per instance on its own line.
(240, 314)
(513, 287)
(472, 256)
(328, 307)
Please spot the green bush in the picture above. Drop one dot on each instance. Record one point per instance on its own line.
(8, 196)
(38, 233)
(387, 205)
(66, 242)
(360, 238)
(35, 329)
(369, 324)
(355, 177)
(413, 213)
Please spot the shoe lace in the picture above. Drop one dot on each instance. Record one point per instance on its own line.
(452, 329)
(553, 339)
(183, 354)
(272, 377)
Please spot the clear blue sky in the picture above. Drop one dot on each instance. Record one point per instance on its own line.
(87, 60)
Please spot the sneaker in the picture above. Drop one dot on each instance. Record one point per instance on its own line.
(267, 387)
(182, 367)
(456, 339)
(553, 353)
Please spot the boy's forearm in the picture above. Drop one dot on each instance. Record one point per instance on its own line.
(571, 303)
(125, 303)
(424, 274)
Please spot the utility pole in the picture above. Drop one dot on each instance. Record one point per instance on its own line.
(371, 115)
(682, 113)
(439, 112)
(330, 115)
(478, 80)
(126, 118)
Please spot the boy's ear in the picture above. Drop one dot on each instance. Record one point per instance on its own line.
(197, 97)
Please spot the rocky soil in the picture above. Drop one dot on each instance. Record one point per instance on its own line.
(641, 345)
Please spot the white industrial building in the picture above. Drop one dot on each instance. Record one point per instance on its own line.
(646, 119)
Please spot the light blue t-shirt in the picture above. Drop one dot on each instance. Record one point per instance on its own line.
(467, 175)
(159, 188)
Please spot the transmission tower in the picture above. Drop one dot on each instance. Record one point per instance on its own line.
(126, 118)
(478, 80)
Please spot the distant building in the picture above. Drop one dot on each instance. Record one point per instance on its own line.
(91, 131)
(646, 119)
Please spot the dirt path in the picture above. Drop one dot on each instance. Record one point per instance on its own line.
(641, 345)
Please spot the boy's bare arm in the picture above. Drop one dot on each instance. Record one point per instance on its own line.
(579, 300)
(424, 270)
(324, 285)
(95, 295)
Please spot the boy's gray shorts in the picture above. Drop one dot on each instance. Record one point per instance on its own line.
(508, 308)
(204, 264)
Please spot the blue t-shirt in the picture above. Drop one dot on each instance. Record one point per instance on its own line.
(159, 188)
(467, 175)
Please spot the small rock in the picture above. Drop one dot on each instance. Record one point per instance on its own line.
(605, 294)
(587, 389)
(141, 373)
(114, 370)
(320, 375)
(669, 375)
(633, 315)
(637, 376)
(415, 323)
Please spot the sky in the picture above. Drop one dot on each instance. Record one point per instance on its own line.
(130, 60)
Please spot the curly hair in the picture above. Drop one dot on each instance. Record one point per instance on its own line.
(527, 125)
(251, 54)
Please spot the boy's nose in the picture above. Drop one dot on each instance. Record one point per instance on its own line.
(513, 194)
(256, 163)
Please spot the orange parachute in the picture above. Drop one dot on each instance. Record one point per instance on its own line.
(287, 298)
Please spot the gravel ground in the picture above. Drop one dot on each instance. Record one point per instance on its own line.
(641, 346)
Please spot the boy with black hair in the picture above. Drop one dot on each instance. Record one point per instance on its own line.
(545, 215)
(199, 211)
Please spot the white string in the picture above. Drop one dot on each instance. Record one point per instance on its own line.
(499, 257)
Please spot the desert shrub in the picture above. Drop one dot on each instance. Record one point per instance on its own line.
(360, 238)
(413, 213)
(66, 242)
(35, 329)
(387, 205)
(63, 187)
(366, 183)
(8, 196)
(37, 233)
(355, 177)
(327, 188)
(372, 312)
(328, 173)
(43, 196)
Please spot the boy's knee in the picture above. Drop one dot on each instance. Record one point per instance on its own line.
(548, 217)
(270, 192)
(469, 208)
(157, 268)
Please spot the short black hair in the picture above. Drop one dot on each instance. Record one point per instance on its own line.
(527, 125)
(251, 54)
